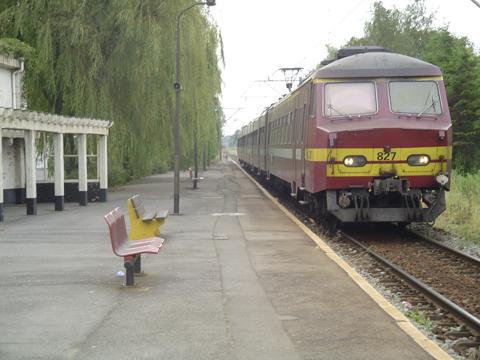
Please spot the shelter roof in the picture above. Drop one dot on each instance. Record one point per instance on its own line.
(9, 62)
(29, 120)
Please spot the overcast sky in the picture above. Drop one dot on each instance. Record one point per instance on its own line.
(261, 36)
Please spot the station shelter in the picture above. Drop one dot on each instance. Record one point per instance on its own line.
(28, 177)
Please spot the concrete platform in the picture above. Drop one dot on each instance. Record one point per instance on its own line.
(236, 279)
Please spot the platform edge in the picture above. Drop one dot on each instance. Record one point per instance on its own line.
(401, 320)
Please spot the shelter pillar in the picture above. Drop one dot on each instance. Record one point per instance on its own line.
(1, 177)
(82, 169)
(102, 166)
(31, 172)
(59, 173)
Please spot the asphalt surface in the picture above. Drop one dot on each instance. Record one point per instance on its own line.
(235, 279)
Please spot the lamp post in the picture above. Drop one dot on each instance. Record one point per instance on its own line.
(178, 88)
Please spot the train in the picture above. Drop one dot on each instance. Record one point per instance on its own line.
(365, 138)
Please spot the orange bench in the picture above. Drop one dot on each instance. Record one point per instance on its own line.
(130, 250)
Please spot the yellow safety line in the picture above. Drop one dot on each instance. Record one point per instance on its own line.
(402, 321)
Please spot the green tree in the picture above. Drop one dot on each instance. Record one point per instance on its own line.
(461, 70)
(115, 60)
(401, 31)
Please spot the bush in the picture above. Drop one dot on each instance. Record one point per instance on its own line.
(462, 216)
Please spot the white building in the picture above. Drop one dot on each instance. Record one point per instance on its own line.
(19, 130)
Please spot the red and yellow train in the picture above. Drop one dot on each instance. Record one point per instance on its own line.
(366, 138)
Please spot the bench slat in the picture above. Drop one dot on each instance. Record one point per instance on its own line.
(126, 250)
(138, 205)
(155, 241)
(148, 216)
(161, 214)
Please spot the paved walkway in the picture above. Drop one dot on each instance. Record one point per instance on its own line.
(236, 279)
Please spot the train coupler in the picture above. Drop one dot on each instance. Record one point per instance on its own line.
(390, 185)
(361, 200)
(412, 201)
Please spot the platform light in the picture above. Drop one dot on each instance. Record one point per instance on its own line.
(418, 160)
(355, 161)
(177, 86)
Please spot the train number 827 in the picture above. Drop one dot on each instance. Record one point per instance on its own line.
(382, 156)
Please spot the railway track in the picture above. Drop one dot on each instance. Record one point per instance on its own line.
(440, 283)
(448, 277)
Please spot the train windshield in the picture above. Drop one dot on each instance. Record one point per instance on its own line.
(349, 99)
(415, 97)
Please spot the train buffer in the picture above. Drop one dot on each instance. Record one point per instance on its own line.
(144, 224)
(131, 251)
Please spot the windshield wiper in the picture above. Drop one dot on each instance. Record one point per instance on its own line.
(330, 107)
(428, 107)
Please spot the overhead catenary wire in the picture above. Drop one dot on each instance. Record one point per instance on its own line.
(245, 97)
(476, 2)
(332, 30)
(302, 63)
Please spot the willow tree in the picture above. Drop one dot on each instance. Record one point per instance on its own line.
(115, 60)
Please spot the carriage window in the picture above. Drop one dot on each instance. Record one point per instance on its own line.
(313, 101)
(347, 99)
(415, 97)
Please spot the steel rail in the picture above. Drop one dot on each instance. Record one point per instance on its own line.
(470, 258)
(471, 321)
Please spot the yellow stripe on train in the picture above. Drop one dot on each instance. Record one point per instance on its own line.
(380, 162)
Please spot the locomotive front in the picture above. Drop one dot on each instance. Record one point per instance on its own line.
(382, 147)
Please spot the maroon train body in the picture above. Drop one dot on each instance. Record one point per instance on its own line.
(367, 138)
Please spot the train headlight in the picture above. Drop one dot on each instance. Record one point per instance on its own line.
(418, 160)
(355, 161)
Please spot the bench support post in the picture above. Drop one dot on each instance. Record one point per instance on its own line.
(59, 173)
(31, 168)
(138, 264)
(1, 178)
(82, 169)
(129, 271)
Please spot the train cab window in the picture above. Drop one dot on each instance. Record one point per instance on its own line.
(350, 99)
(414, 97)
